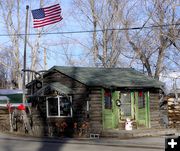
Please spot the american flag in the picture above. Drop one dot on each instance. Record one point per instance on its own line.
(47, 15)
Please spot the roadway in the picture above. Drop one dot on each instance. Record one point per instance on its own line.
(23, 143)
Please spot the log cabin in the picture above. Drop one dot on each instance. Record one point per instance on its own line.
(77, 101)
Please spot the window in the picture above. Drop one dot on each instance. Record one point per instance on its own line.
(52, 106)
(65, 106)
(125, 104)
(141, 100)
(59, 106)
(107, 99)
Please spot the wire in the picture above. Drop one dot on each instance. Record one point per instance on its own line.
(90, 31)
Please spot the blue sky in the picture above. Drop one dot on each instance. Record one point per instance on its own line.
(55, 53)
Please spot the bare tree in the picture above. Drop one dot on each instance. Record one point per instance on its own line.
(104, 15)
(13, 17)
(5, 63)
(151, 46)
(13, 28)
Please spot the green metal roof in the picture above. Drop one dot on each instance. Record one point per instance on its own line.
(13, 98)
(108, 77)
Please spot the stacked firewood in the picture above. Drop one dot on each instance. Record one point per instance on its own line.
(174, 112)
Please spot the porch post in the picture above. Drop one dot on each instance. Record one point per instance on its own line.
(132, 105)
(136, 108)
(147, 106)
(102, 99)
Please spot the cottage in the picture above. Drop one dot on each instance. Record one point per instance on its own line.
(83, 100)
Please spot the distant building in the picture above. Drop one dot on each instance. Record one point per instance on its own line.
(171, 80)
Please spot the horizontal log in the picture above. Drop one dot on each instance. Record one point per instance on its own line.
(95, 109)
(77, 96)
(154, 117)
(95, 115)
(96, 118)
(154, 100)
(174, 114)
(172, 99)
(96, 105)
(95, 91)
(173, 111)
(173, 103)
(93, 100)
(154, 94)
(154, 108)
(174, 106)
(154, 113)
(99, 99)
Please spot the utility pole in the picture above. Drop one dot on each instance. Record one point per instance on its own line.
(24, 115)
(45, 62)
(24, 65)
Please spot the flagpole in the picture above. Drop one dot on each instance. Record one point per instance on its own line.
(24, 65)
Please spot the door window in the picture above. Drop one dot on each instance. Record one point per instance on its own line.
(107, 99)
(125, 105)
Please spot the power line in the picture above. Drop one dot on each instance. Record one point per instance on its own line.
(90, 31)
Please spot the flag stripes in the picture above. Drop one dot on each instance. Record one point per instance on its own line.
(47, 15)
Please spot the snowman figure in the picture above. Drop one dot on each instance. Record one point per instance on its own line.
(128, 124)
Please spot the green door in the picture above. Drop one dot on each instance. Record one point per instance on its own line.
(110, 110)
(135, 106)
(142, 109)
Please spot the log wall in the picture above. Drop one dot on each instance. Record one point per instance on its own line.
(78, 124)
(96, 121)
(154, 111)
(79, 97)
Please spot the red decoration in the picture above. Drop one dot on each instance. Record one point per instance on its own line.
(9, 105)
(21, 107)
(107, 93)
(141, 94)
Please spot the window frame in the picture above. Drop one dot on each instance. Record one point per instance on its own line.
(59, 112)
(126, 103)
(109, 99)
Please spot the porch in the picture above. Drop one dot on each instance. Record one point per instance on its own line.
(134, 105)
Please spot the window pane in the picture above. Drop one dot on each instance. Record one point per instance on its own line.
(125, 104)
(126, 109)
(107, 99)
(125, 98)
(65, 106)
(53, 106)
(141, 100)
